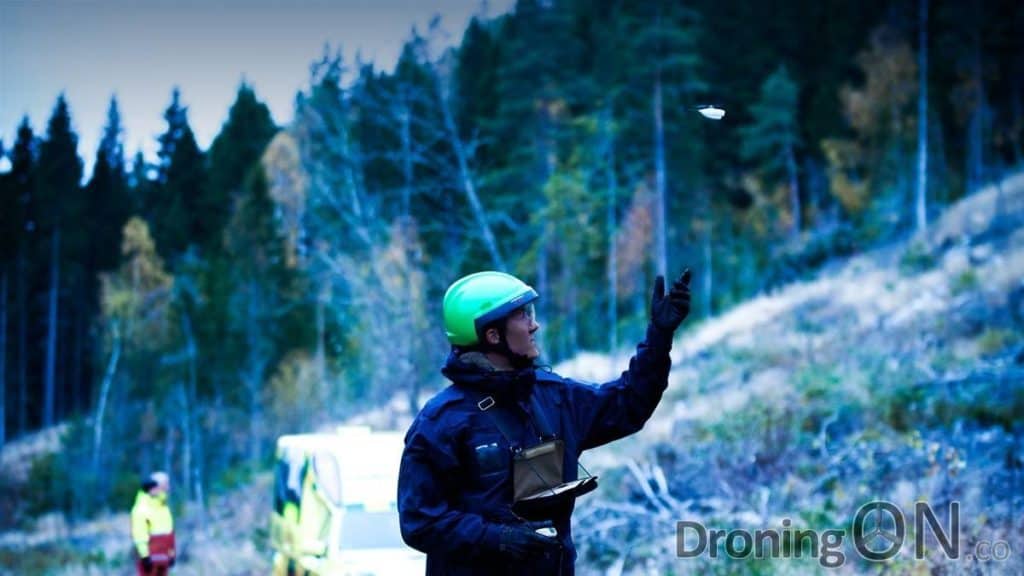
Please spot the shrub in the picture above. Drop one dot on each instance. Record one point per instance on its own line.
(963, 282)
(916, 259)
(994, 340)
(51, 486)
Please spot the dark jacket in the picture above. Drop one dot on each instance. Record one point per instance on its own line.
(455, 488)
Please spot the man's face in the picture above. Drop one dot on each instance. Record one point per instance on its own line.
(519, 331)
(163, 486)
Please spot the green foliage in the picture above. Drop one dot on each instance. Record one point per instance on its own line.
(110, 204)
(964, 281)
(983, 401)
(176, 207)
(773, 130)
(916, 258)
(14, 506)
(238, 475)
(995, 340)
(234, 152)
(55, 559)
(52, 485)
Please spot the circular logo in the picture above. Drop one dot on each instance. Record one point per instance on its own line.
(878, 531)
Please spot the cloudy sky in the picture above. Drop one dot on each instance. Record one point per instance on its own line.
(140, 49)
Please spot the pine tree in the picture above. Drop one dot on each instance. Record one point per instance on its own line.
(235, 150)
(9, 226)
(770, 141)
(21, 192)
(110, 204)
(234, 155)
(476, 86)
(60, 172)
(175, 205)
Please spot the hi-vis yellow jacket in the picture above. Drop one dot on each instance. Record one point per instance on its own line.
(150, 517)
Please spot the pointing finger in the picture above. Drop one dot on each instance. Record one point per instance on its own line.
(685, 277)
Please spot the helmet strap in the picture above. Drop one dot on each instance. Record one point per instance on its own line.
(518, 361)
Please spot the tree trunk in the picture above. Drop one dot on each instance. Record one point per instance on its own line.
(661, 260)
(193, 463)
(547, 152)
(49, 376)
(975, 128)
(406, 158)
(22, 359)
(542, 286)
(794, 190)
(186, 403)
(252, 372)
(613, 284)
(168, 465)
(570, 344)
(101, 403)
(1017, 110)
(706, 236)
(3, 358)
(320, 357)
(79, 320)
(920, 204)
(466, 178)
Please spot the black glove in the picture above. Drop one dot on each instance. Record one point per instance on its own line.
(668, 312)
(171, 564)
(521, 541)
(147, 564)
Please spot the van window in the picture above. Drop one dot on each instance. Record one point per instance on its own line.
(362, 529)
(287, 480)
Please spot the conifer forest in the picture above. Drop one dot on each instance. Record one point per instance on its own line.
(854, 225)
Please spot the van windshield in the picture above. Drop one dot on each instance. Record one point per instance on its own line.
(361, 529)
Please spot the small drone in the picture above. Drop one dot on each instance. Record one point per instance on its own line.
(709, 111)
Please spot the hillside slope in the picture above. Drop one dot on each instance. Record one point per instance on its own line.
(897, 374)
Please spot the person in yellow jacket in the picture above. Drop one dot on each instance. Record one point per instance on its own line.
(153, 527)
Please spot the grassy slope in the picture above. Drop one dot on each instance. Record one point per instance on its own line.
(897, 374)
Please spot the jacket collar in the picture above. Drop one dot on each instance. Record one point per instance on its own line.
(474, 371)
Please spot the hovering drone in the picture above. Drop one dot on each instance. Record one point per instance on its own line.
(709, 111)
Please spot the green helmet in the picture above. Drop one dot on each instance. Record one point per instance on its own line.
(475, 301)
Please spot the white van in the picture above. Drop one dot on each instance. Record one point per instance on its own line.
(335, 509)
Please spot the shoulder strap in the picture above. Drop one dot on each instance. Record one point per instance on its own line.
(505, 421)
(498, 414)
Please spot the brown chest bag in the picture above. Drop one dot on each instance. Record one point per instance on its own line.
(538, 479)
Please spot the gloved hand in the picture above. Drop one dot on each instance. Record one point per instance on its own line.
(147, 564)
(668, 312)
(521, 541)
(171, 564)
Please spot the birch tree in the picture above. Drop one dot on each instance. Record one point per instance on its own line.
(921, 182)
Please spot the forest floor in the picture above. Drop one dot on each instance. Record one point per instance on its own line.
(896, 374)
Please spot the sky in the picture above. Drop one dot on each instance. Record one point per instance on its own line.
(139, 50)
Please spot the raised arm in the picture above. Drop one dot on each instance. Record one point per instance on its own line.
(621, 407)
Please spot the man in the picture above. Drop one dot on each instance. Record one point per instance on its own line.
(153, 527)
(459, 485)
